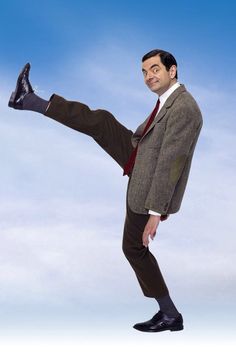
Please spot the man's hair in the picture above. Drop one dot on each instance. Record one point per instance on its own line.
(167, 58)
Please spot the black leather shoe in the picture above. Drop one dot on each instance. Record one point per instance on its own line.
(161, 322)
(23, 88)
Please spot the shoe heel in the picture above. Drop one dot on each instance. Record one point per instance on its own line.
(177, 329)
(12, 99)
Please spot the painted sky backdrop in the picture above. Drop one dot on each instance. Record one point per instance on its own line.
(63, 199)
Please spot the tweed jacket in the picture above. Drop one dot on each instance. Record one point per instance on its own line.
(164, 155)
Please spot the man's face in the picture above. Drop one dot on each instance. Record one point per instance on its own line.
(156, 77)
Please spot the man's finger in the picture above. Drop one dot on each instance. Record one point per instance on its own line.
(145, 240)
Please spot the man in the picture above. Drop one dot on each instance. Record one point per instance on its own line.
(156, 157)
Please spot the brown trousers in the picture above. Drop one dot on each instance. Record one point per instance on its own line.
(115, 139)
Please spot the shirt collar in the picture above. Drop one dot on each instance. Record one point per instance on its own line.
(166, 94)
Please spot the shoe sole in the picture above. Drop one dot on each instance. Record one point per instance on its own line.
(12, 102)
(172, 329)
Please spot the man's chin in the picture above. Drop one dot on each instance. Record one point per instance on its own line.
(154, 89)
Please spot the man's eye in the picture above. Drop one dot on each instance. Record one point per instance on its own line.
(155, 70)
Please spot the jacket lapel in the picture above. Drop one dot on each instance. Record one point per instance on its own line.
(164, 109)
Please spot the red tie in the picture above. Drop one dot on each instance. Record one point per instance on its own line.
(130, 164)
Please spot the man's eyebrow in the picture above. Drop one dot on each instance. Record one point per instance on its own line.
(151, 67)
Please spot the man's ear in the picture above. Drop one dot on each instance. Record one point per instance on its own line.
(172, 71)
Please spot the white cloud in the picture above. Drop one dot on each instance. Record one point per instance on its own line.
(58, 264)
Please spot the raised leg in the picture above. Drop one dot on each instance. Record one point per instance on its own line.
(100, 124)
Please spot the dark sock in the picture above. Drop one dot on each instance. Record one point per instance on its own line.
(35, 103)
(167, 306)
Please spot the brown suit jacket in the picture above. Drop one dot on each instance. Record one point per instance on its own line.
(164, 156)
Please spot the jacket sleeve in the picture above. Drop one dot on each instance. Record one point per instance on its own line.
(182, 128)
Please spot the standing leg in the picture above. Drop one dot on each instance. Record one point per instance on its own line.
(149, 276)
(140, 258)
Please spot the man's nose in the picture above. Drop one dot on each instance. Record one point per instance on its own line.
(149, 75)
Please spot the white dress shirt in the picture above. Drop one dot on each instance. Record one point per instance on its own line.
(163, 99)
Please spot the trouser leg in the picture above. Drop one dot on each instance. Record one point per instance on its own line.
(100, 124)
(140, 258)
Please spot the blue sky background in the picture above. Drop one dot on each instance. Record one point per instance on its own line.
(63, 276)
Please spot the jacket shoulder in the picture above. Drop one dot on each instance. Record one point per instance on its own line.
(186, 105)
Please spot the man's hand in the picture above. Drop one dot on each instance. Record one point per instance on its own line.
(150, 228)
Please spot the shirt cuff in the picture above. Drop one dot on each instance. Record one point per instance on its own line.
(154, 213)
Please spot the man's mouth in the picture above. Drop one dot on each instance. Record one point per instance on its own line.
(152, 83)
